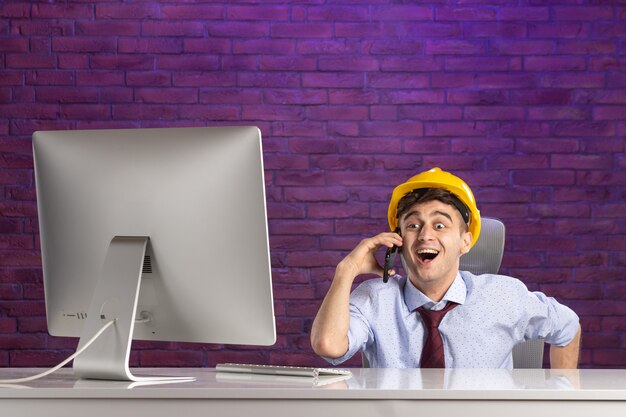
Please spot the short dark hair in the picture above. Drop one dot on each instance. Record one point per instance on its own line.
(424, 195)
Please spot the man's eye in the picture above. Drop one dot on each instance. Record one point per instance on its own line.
(412, 226)
(440, 226)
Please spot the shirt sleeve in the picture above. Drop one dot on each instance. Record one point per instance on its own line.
(547, 319)
(360, 334)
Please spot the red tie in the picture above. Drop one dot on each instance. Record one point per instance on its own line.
(432, 354)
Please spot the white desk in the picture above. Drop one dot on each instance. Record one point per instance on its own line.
(370, 392)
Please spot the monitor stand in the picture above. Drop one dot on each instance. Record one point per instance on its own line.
(115, 297)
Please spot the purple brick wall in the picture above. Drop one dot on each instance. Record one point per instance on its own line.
(524, 99)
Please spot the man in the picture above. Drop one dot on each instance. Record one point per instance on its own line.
(437, 316)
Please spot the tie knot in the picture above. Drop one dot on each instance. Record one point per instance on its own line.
(432, 318)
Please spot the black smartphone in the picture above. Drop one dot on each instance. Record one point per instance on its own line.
(390, 257)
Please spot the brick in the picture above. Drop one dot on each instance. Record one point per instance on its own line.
(185, 29)
(83, 44)
(291, 243)
(203, 79)
(411, 64)
(609, 30)
(285, 211)
(298, 227)
(304, 259)
(187, 62)
(29, 110)
(337, 13)
(573, 292)
(558, 113)
(385, 47)
(99, 78)
(129, 11)
(586, 47)
(601, 178)
(85, 111)
(268, 80)
(31, 61)
(523, 14)
(301, 30)
(574, 80)
(62, 11)
(547, 145)
(380, 80)
(359, 30)
(518, 162)
(494, 113)
(261, 46)
(342, 162)
(137, 111)
(495, 30)
(393, 13)
(438, 129)
(247, 30)
(566, 128)
(13, 45)
(48, 78)
(297, 128)
(558, 30)
(424, 30)
(272, 13)
(319, 146)
(330, 112)
(554, 63)
(156, 45)
(337, 210)
(581, 161)
(544, 177)
(332, 80)
(582, 13)
(455, 47)
(351, 64)
(192, 11)
(357, 178)
(64, 95)
(316, 194)
(15, 10)
(107, 28)
(213, 46)
(465, 14)
(327, 47)
(166, 95)
(508, 81)
(283, 63)
(609, 112)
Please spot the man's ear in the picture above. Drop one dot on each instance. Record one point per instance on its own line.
(467, 242)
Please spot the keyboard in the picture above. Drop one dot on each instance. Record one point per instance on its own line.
(281, 370)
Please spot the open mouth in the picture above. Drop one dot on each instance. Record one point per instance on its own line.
(427, 255)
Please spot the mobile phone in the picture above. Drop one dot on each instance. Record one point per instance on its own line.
(390, 257)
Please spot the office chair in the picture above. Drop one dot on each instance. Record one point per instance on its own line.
(485, 258)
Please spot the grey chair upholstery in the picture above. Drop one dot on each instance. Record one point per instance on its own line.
(485, 258)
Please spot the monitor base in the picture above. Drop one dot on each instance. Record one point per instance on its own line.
(115, 298)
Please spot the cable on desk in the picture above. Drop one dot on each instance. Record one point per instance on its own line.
(62, 364)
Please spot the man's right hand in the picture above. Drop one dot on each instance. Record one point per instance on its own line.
(362, 259)
(329, 333)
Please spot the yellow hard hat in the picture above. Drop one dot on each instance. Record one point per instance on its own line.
(436, 178)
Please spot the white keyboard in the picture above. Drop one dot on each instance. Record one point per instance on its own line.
(280, 370)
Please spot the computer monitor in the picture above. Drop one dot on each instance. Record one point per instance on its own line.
(164, 230)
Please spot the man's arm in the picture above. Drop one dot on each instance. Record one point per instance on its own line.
(329, 333)
(566, 357)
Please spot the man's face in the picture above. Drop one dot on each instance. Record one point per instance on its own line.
(434, 238)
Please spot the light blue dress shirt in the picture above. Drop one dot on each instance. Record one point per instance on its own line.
(496, 313)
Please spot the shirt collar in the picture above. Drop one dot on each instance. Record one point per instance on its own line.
(414, 298)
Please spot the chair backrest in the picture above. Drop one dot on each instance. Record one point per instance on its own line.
(485, 257)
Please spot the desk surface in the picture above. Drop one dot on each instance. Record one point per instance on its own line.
(373, 384)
